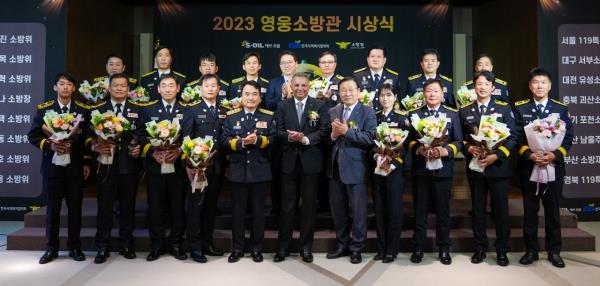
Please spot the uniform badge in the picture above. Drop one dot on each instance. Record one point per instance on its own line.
(222, 116)
(393, 124)
(150, 84)
(201, 116)
(389, 81)
(333, 87)
(222, 92)
(179, 116)
(445, 89)
(154, 117)
(261, 124)
(470, 117)
(263, 90)
(496, 92)
(237, 125)
(132, 115)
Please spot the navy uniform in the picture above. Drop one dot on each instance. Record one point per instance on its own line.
(249, 171)
(434, 185)
(151, 80)
(222, 91)
(131, 81)
(165, 191)
(526, 111)
(415, 84)
(202, 206)
(236, 91)
(500, 89)
(119, 181)
(388, 191)
(62, 182)
(368, 82)
(495, 178)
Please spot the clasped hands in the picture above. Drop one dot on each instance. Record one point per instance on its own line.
(485, 158)
(338, 128)
(432, 152)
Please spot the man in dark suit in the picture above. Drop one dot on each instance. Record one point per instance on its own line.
(165, 191)
(434, 185)
(430, 62)
(62, 182)
(301, 124)
(206, 118)
(526, 111)
(352, 132)
(163, 58)
(497, 171)
(247, 132)
(117, 181)
(280, 87)
(371, 78)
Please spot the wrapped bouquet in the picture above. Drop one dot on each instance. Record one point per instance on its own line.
(163, 136)
(489, 135)
(198, 154)
(108, 127)
(60, 127)
(432, 131)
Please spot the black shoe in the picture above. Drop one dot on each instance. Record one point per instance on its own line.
(444, 256)
(528, 258)
(198, 256)
(178, 253)
(556, 260)
(256, 256)
(212, 251)
(378, 256)
(235, 256)
(306, 256)
(128, 253)
(48, 256)
(501, 259)
(338, 253)
(388, 258)
(478, 257)
(101, 256)
(279, 256)
(153, 255)
(355, 257)
(417, 256)
(77, 254)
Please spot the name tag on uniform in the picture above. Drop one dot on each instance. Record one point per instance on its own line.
(470, 117)
(180, 116)
(201, 116)
(334, 87)
(445, 89)
(393, 124)
(496, 92)
(150, 85)
(389, 81)
(132, 115)
(498, 115)
(263, 90)
(527, 115)
(154, 118)
(222, 116)
(222, 92)
(237, 127)
(261, 124)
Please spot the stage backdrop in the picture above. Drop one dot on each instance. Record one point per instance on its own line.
(569, 46)
(348, 30)
(32, 46)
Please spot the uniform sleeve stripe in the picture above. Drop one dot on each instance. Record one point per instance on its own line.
(265, 141)
(399, 160)
(504, 150)
(233, 144)
(42, 144)
(453, 148)
(146, 147)
(523, 149)
(411, 145)
(563, 151)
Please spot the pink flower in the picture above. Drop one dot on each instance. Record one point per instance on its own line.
(547, 133)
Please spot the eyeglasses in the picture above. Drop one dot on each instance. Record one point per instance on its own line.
(288, 63)
(327, 63)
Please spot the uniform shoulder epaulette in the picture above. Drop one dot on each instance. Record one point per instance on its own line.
(450, 108)
(500, 102)
(100, 78)
(445, 77)
(413, 77)
(499, 81)
(45, 104)
(194, 103)
(524, 101)
(132, 80)
(401, 112)
(558, 102)
(224, 83)
(339, 77)
(97, 105)
(378, 112)
(81, 104)
(391, 71)
(265, 80)
(144, 104)
(359, 70)
(193, 82)
(265, 111)
(179, 74)
(236, 80)
(149, 74)
(182, 103)
(234, 111)
(467, 104)
(468, 83)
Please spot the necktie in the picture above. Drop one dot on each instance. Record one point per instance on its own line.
(376, 80)
(169, 109)
(212, 110)
(118, 105)
(434, 113)
(482, 109)
(299, 110)
(249, 116)
(346, 113)
(540, 109)
(64, 109)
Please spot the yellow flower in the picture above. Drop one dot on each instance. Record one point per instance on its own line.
(190, 144)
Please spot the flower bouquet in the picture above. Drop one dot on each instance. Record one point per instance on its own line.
(232, 103)
(108, 127)
(366, 97)
(415, 101)
(489, 135)
(198, 154)
(191, 94)
(388, 144)
(432, 131)
(163, 136)
(313, 118)
(60, 127)
(319, 89)
(95, 92)
(139, 94)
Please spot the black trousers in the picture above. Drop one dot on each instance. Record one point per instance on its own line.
(110, 189)
(276, 150)
(437, 190)
(498, 189)
(201, 211)
(531, 206)
(241, 194)
(166, 196)
(389, 209)
(323, 194)
(294, 185)
(349, 211)
(69, 188)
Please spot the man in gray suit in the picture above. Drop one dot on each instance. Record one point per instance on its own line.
(352, 132)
